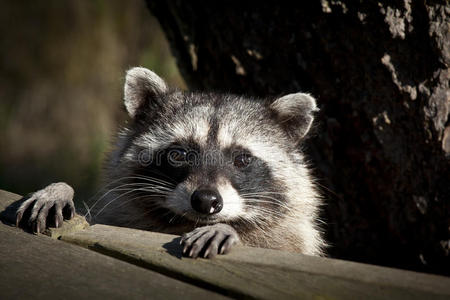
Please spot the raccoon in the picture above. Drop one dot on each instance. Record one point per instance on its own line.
(218, 169)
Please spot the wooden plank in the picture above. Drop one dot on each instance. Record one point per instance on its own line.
(37, 267)
(262, 273)
(6, 200)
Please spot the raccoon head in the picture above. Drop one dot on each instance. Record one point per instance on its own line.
(208, 158)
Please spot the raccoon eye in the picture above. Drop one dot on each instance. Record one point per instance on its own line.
(177, 156)
(242, 160)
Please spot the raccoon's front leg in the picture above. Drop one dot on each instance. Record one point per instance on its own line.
(58, 196)
(209, 240)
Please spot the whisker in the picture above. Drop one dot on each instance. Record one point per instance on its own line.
(126, 178)
(126, 185)
(118, 197)
(261, 193)
(142, 196)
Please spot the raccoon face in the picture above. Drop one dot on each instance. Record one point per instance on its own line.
(209, 158)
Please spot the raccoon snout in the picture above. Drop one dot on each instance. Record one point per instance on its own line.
(206, 201)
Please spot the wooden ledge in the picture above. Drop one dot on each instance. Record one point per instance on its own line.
(245, 272)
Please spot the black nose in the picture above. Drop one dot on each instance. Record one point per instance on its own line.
(206, 201)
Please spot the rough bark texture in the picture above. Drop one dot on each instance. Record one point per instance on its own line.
(381, 76)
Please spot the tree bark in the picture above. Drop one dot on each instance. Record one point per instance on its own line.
(381, 75)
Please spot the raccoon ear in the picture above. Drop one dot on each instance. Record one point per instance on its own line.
(141, 87)
(295, 113)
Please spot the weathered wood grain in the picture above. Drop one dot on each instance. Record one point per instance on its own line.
(262, 273)
(37, 267)
(6, 200)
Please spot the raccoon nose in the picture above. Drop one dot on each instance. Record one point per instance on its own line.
(206, 201)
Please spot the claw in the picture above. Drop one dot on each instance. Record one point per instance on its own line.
(23, 207)
(205, 255)
(209, 240)
(18, 218)
(42, 226)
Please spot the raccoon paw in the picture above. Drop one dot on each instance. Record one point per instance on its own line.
(208, 241)
(54, 199)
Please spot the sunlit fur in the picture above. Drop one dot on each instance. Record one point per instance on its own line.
(271, 204)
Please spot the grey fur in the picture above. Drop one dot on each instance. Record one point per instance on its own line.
(293, 106)
(275, 208)
(140, 84)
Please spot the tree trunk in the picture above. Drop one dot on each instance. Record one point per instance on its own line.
(381, 75)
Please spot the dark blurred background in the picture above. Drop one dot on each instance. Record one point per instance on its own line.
(62, 67)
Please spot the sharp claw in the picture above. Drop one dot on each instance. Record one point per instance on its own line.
(37, 227)
(18, 218)
(56, 221)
